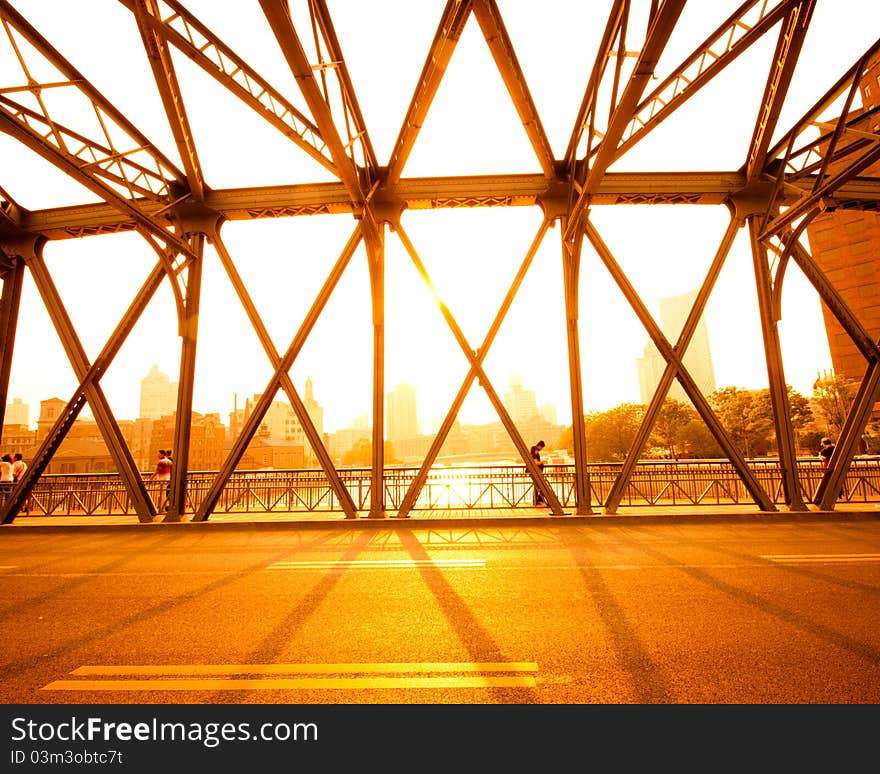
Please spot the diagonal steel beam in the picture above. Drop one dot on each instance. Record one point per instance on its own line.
(239, 447)
(808, 202)
(221, 62)
(449, 29)
(671, 356)
(492, 25)
(10, 215)
(724, 45)
(358, 134)
(661, 27)
(278, 15)
(788, 49)
(813, 114)
(475, 359)
(111, 166)
(584, 123)
(76, 79)
(159, 57)
(831, 486)
(832, 299)
(66, 418)
(97, 401)
(71, 166)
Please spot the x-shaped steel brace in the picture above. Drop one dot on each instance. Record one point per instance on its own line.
(673, 357)
(475, 358)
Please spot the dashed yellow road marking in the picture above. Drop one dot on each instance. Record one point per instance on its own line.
(372, 564)
(288, 669)
(287, 684)
(820, 558)
(345, 676)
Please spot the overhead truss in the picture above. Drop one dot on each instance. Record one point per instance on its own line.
(819, 164)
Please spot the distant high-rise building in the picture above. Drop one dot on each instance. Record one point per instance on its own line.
(158, 395)
(548, 413)
(401, 416)
(520, 404)
(17, 413)
(313, 408)
(674, 311)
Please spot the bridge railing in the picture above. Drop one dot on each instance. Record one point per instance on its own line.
(653, 483)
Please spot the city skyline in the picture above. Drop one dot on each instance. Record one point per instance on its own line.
(661, 247)
(156, 400)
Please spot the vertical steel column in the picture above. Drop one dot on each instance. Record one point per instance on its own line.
(10, 300)
(571, 263)
(183, 416)
(376, 262)
(776, 375)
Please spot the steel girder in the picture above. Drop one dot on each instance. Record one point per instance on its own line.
(776, 191)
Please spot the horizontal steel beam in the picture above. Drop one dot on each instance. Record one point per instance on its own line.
(440, 192)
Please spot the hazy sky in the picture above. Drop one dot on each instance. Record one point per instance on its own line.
(472, 255)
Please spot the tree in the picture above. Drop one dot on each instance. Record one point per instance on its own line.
(744, 416)
(669, 429)
(610, 434)
(833, 395)
(699, 441)
(361, 454)
(799, 409)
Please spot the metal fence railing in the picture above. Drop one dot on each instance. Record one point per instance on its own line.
(653, 483)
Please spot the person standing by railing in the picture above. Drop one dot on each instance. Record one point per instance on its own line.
(6, 479)
(825, 451)
(535, 451)
(163, 473)
(19, 468)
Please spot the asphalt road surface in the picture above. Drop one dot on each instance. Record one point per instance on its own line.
(763, 612)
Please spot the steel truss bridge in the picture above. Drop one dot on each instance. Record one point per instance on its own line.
(789, 175)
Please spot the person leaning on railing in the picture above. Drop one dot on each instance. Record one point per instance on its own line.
(825, 451)
(6, 478)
